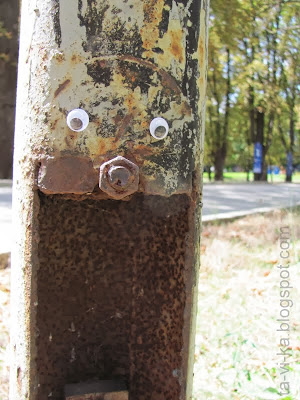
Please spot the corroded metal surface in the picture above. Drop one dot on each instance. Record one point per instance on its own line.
(111, 293)
(103, 288)
(69, 174)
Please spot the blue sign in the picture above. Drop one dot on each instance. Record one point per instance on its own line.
(257, 163)
(273, 169)
(289, 163)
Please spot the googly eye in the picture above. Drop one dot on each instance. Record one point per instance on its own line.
(159, 128)
(77, 120)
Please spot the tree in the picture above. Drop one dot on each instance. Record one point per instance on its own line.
(223, 37)
(251, 80)
(217, 128)
(9, 11)
(289, 86)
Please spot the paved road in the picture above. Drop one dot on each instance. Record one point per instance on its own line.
(5, 216)
(230, 200)
(219, 201)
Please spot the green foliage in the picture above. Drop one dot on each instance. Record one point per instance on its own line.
(262, 38)
(7, 35)
(4, 32)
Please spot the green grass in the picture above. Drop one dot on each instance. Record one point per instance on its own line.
(240, 177)
(236, 338)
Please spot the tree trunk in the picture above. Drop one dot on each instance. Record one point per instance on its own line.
(288, 178)
(260, 125)
(209, 173)
(264, 176)
(9, 12)
(289, 169)
(108, 156)
(248, 175)
(251, 115)
(221, 151)
(219, 166)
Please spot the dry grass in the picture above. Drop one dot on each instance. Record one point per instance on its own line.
(236, 341)
(4, 325)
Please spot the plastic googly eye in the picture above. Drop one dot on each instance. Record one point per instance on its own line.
(77, 120)
(159, 128)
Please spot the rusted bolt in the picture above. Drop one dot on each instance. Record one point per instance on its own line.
(119, 177)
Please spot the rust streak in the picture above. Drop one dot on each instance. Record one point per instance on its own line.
(201, 52)
(167, 78)
(123, 127)
(61, 87)
(176, 46)
(143, 151)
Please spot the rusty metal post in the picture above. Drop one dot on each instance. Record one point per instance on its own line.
(107, 195)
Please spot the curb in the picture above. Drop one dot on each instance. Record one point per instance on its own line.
(6, 182)
(239, 214)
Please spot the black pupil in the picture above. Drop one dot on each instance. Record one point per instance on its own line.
(160, 131)
(76, 123)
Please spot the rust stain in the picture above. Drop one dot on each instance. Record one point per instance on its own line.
(201, 52)
(145, 124)
(142, 151)
(43, 54)
(152, 17)
(66, 139)
(167, 79)
(124, 126)
(53, 124)
(131, 75)
(76, 59)
(170, 82)
(117, 119)
(61, 87)
(19, 377)
(60, 57)
(186, 109)
(102, 147)
(106, 147)
(97, 121)
(130, 101)
(102, 63)
(176, 45)
(70, 138)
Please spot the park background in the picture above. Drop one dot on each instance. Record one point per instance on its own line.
(252, 89)
(252, 97)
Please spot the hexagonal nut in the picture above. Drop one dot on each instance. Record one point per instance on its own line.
(119, 177)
